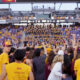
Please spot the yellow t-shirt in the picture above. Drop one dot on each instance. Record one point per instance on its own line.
(77, 68)
(18, 71)
(3, 60)
(39, 46)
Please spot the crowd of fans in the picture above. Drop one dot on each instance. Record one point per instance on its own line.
(20, 17)
(16, 17)
(14, 34)
(48, 53)
(51, 35)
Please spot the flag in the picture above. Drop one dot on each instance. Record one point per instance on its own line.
(8, 0)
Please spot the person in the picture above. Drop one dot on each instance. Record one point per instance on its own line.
(18, 70)
(77, 62)
(28, 50)
(11, 53)
(77, 68)
(67, 67)
(4, 58)
(60, 52)
(56, 70)
(39, 63)
(42, 51)
(48, 64)
(74, 54)
(70, 53)
(1, 50)
(29, 55)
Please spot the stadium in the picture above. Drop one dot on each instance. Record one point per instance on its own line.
(39, 40)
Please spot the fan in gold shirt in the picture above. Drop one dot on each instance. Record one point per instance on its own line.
(4, 57)
(18, 70)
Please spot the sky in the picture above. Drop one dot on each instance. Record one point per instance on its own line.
(28, 7)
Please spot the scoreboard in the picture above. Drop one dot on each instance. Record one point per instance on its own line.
(4, 1)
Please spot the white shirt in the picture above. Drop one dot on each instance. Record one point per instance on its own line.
(60, 52)
(56, 73)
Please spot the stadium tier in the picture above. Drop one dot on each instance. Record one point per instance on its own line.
(39, 40)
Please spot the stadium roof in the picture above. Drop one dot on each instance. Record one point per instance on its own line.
(41, 1)
(47, 0)
(23, 1)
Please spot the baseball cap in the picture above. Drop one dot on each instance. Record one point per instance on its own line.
(7, 43)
